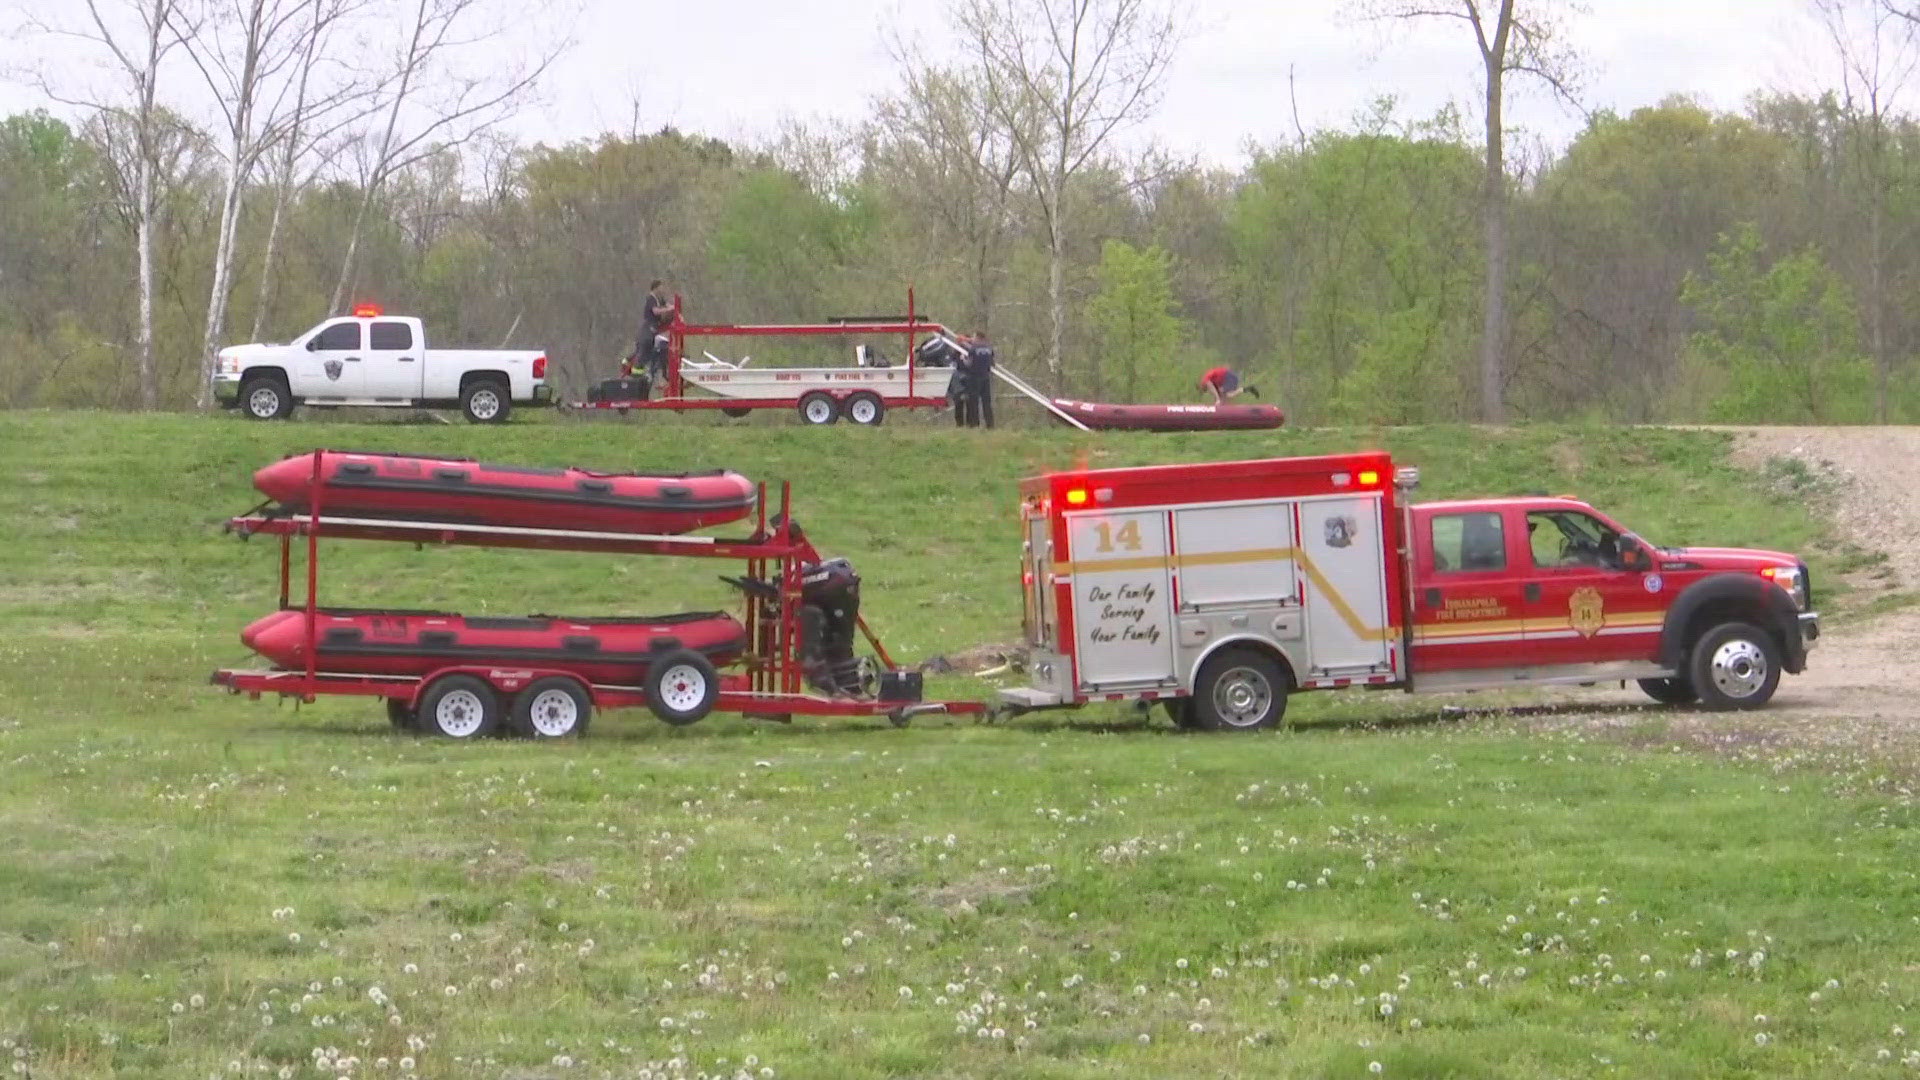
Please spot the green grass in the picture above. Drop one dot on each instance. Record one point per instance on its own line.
(177, 866)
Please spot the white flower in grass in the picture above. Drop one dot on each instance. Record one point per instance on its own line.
(411, 969)
(406, 1064)
(1761, 1038)
(1375, 1068)
(1196, 1027)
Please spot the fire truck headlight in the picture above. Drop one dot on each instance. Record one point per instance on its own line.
(1790, 579)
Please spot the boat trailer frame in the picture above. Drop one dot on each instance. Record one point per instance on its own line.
(772, 685)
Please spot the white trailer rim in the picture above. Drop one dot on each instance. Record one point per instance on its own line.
(818, 410)
(459, 713)
(554, 713)
(264, 402)
(683, 688)
(484, 404)
(863, 410)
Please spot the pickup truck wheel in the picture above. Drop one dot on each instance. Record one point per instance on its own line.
(266, 397)
(818, 409)
(552, 708)
(1670, 691)
(681, 686)
(485, 402)
(1734, 666)
(459, 707)
(866, 410)
(1239, 690)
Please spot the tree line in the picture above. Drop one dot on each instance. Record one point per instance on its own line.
(252, 166)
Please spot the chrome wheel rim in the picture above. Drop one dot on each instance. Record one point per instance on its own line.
(554, 713)
(683, 687)
(1242, 697)
(459, 713)
(264, 402)
(1739, 668)
(485, 404)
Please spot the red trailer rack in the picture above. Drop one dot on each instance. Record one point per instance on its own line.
(821, 395)
(769, 682)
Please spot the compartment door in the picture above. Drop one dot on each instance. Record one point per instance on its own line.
(1122, 598)
(1037, 585)
(1342, 553)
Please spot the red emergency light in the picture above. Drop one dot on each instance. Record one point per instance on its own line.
(367, 311)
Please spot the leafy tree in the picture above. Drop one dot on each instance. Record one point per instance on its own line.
(1135, 324)
(1779, 342)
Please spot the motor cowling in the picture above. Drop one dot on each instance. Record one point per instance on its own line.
(829, 625)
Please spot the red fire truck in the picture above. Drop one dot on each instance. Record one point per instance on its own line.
(1222, 588)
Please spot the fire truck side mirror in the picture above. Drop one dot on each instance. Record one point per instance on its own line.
(1634, 557)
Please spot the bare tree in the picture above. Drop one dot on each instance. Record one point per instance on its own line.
(137, 36)
(1874, 43)
(1089, 69)
(257, 58)
(958, 159)
(435, 36)
(1514, 37)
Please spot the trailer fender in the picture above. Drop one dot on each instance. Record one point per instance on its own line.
(1732, 597)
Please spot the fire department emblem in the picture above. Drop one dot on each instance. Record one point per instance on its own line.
(1340, 530)
(333, 369)
(1585, 611)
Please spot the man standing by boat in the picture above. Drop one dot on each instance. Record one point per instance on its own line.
(960, 389)
(980, 379)
(654, 317)
(1224, 382)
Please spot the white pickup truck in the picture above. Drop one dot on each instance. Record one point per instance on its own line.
(369, 358)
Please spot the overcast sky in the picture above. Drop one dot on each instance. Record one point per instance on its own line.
(734, 68)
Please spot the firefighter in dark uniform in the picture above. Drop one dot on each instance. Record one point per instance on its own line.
(654, 318)
(960, 390)
(980, 380)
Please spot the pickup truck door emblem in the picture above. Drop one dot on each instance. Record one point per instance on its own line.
(1651, 583)
(333, 369)
(1585, 611)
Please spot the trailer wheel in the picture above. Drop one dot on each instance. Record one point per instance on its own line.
(866, 409)
(459, 707)
(1239, 690)
(485, 401)
(266, 397)
(552, 708)
(1677, 691)
(400, 714)
(1734, 666)
(681, 687)
(737, 414)
(818, 409)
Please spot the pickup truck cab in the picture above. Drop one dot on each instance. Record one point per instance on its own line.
(373, 359)
(1223, 588)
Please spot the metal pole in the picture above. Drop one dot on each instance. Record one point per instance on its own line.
(912, 360)
(313, 574)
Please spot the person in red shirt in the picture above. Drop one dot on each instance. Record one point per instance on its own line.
(1224, 382)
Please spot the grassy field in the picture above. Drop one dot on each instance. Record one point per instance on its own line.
(195, 885)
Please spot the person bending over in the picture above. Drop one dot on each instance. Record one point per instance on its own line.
(1224, 383)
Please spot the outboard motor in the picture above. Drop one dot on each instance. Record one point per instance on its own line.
(936, 351)
(829, 622)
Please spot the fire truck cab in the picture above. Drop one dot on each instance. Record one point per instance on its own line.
(1223, 588)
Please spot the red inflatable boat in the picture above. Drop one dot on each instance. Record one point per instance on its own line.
(1103, 417)
(471, 492)
(599, 650)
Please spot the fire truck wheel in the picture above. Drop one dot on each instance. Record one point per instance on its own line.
(1239, 690)
(818, 409)
(459, 707)
(400, 714)
(552, 708)
(866, 410)
(1734, 666)
(1180, 711)
(266, 397)
(738, 414)
(682, 686)
(1670, 691)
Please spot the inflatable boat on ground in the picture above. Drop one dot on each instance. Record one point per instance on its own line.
(1100, 416)
(613, 651)
(472, 492)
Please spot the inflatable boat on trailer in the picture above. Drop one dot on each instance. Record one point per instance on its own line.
(400, 486)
